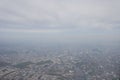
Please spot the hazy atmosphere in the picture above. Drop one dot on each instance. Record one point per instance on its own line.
(59, 39)
(60, 21)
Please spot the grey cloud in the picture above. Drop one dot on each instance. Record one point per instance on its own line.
(59, 14)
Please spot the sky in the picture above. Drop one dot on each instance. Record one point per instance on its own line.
(69, 21)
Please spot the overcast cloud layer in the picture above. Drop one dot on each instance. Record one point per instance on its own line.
(74, 17)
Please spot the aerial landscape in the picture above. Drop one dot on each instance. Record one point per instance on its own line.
(59, 63)
(59, 40)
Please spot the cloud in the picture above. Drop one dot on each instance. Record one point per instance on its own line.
(59, 14)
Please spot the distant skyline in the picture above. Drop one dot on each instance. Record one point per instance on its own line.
(60, 21)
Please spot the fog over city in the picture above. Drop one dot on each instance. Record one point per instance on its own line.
(59, 39)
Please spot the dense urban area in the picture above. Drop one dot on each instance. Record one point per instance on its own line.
(59, 63)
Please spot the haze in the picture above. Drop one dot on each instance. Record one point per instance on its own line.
(60, 21)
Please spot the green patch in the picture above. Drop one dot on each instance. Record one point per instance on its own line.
(44, 62)
(22, 65)
(31, 75)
